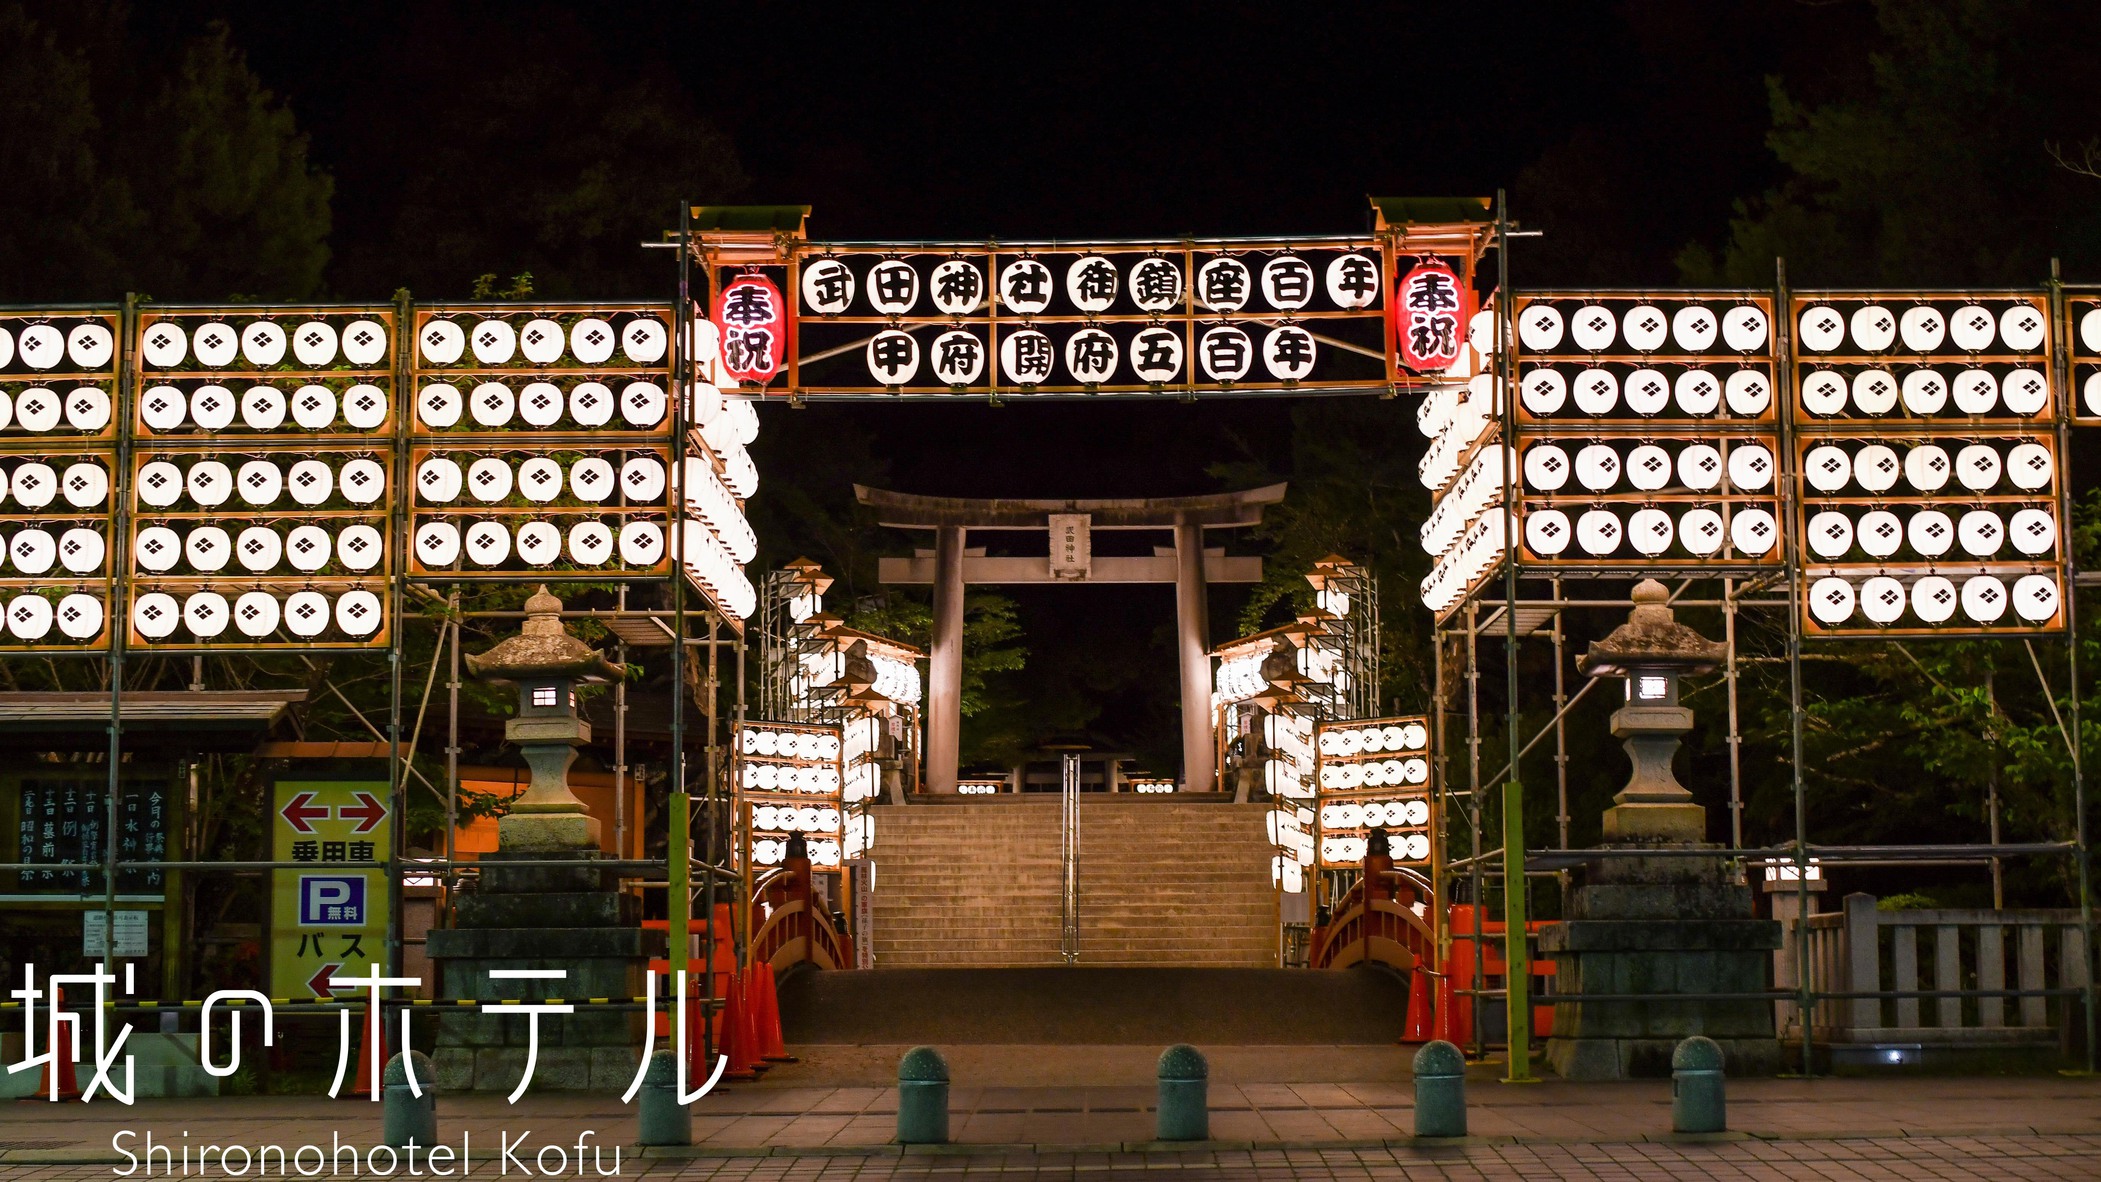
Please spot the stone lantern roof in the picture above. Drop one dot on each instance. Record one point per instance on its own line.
(1653, 638)
(543, 649)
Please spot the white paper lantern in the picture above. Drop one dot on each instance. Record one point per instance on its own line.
(591, 479)
(212, 407)
(1701, 531)
(1972, 328)
(157, 548)
(1976, 392)
(314, 407)
(1927, 467)
(314, 344)
(1650, 531)
(80, 616)
(1539, 328)
(1827, 468)
(539, 542)
(540, 404)
(206, 614)
(163, 408)
(2029, 466)
(1933, 599)
(487, 543)
(1647, 391)
(2025, 391)
(363, 481)
(438, 480)
(1822, 330)
(81, 550)
(1879, 533)
(258, 549)
(1744, 328)
(215, 344)
(1592, 328)
(1697, 392)
(41, 346)
(1648, 467)
(1925, 392)
(85, 485)
(438, 405)
(2021, 327)
(306, 614)
(643, 404)
(1547, 531)
(1874, 328)
(263, 344)
(641, 544)
(2033, 532)
(256, 614)
(87, 408)
(645, 340)
(437, 543)
(541, 341)
(308, 547)
(1983, 598)
(1831, 600)
(1597, 391)
(1598, 467)
(1753, 532)
(1751, 467)
(1824, 392)
(591, 340)
(1543, 391)
(1882, 599)
(365, 342)
(1547, 467)
(210, 483)
(1922, 329)
(155, 615)
(540, 479)
(2035, 598)
(1700, 467)
(32, 551)
(1693, 327)
(492, 404)
(642, 478)
(364, 406)
(1981, 533)
(1874, 391)
(1977, 467)
(262, 408)
(163, 343)
(1829, 534)
(360, 547)
(1598, 531)
(1876, 467)
(1930, 532)
(1644, 328)
(37, 409)
(2090, 330)
(591, 404)
(489, 480)
(590, 543)
(441, 341)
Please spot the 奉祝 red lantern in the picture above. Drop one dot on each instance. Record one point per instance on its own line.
(1430, 313)
(753, 320)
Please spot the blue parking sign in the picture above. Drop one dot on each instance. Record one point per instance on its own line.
(331, 900)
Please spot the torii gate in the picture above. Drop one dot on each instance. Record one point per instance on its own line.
(953, 565)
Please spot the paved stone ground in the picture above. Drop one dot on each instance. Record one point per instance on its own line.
(1080, 1112)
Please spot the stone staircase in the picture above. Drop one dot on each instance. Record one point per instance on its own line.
(1164, 882)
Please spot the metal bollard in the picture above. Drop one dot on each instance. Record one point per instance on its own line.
(1440, 1091)
(660, 1118)
(1185, 1095)
(405, 1116)
(922, 1098)
(1697, 1101)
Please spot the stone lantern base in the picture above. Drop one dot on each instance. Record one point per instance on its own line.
(1661, 926)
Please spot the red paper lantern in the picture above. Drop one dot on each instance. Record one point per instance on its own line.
(1430, 314)
(753, 320)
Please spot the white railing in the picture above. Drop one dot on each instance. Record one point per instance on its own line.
(2019, 955)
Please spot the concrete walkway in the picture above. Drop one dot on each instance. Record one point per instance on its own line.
(1057, 1107)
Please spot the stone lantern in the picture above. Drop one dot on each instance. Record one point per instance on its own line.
(1652, 651)
(545, 663)
(1681, 924)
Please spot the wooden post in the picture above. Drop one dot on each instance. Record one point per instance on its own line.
(1863, 961)
(1192, 613)
(944, 715)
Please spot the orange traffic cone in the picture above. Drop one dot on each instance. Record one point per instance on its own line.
(1418, 1007)
(775, 1046)
(736, 1037)
(754, 1020)
(61, 1061)
(372, 1047)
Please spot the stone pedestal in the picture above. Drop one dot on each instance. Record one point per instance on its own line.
(542, 917)
(1659, 925)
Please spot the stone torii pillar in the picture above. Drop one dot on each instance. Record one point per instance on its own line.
(1187, 565)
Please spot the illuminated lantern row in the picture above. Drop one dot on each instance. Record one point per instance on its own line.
(716, 538)
(57, 419)
(789, 780)
(509, 510)
(586, 405)
(1373, 774)
(1655, 499)
(1927, 452)
(2086, 356)
(1031, 284)
(271, 546)
(1692, 324)
(586, 338)
(1465, 467)
(211, 374)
